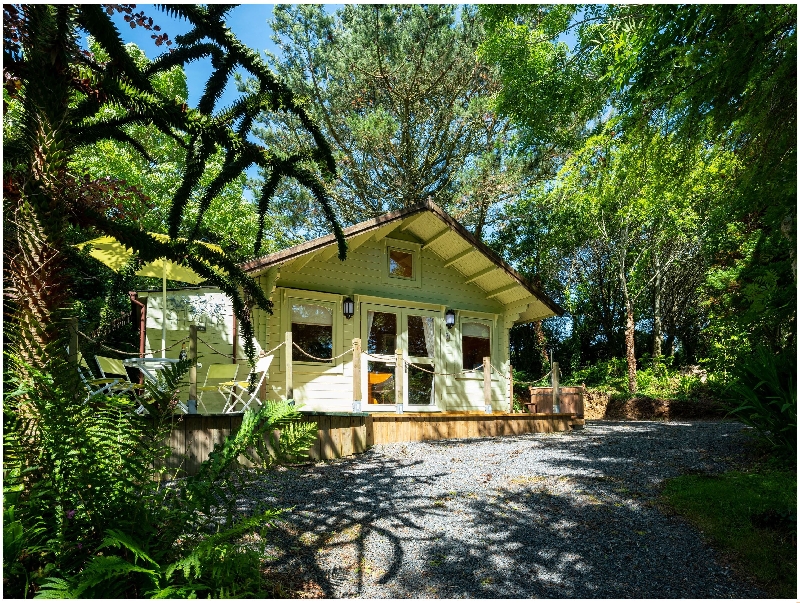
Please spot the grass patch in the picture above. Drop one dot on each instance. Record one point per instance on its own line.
(750, 516)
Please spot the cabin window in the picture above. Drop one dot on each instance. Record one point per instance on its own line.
(312, 330)
(475, 344)
(382, 329)
(401, 263)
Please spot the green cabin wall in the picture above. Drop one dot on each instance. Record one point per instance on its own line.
(362, 276)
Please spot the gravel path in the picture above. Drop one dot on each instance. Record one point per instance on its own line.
(567, 515)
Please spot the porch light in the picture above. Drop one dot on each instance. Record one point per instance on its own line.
(450, 318)
(348, 307)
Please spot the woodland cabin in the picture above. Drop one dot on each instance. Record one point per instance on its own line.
(416, 285)
(415, 282)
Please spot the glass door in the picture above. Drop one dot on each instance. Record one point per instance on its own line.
(380, 329)
(384, 330)
(419, 350)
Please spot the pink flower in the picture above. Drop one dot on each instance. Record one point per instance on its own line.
(71, 514)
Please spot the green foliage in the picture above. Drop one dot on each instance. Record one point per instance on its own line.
(230, 221)
(398, 91)
(763, 394)
(752, 516)
(665, 139)
(523, 42)
(85, 512)
(69, 101)
(655, 378)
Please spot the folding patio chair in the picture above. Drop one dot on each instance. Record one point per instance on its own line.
(247, 397)
(115, 374)
(93, 386)
(217, 375)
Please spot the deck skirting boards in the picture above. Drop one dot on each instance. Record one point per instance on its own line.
(345, 434)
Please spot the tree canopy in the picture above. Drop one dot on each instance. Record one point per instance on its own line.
(401, 96)
(679, 122)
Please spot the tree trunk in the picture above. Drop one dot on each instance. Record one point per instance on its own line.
(629, 344)
(541, 340)
(630, 327)
(671, 345)
(657, 311)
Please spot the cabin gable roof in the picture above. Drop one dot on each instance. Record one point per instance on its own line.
(441, 234)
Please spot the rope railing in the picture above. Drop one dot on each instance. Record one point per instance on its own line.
(434, 372)
(302, 351)
(126, 353)
(547, 374)
(261, 354)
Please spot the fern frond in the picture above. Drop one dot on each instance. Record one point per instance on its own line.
(56, 588)
(107, 570)
(116, 538)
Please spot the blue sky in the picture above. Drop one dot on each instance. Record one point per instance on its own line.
(247, 21)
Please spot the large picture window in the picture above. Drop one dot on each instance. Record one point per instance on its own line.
(475, 344)
(312, 330)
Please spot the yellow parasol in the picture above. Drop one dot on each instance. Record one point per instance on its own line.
(115, 255)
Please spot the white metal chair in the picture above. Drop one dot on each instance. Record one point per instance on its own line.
(247, 397)
(217, 375)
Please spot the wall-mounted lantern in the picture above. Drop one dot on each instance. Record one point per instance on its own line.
(348, 308)
(450, 318)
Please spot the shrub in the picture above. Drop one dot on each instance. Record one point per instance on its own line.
(762, 394)
(84, 516)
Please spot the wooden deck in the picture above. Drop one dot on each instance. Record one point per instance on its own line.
(345, 434)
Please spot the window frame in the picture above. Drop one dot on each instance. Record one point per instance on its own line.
(416, 264)
(470, 317)
(317, 298)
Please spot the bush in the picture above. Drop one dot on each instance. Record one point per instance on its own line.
(84, 516)
(762, 394)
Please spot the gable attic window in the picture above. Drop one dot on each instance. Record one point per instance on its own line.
(401, 263)
(312, 330)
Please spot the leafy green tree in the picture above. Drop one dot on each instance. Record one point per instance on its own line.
(399, 93)
(720, 83)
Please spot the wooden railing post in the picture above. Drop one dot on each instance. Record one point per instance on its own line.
(357, 375)
(487, 384)
(289, 384)
(554, 377)
(191, 403)
(398, 380)
(510, 388)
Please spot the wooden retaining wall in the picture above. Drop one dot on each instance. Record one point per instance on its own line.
(345, 434)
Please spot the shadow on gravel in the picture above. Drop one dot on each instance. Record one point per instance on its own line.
(572, 516)
(357, 498)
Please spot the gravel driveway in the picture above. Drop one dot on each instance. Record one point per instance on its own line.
(567, 515)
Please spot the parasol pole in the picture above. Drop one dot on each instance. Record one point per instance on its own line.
(164, 313)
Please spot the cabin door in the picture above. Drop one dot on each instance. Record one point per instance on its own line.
(386, 329)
